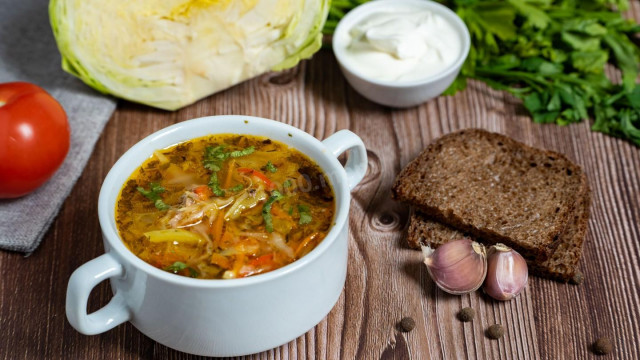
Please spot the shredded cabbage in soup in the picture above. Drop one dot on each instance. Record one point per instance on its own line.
(224, 207)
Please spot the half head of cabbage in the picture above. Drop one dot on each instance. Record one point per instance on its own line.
(170, 53)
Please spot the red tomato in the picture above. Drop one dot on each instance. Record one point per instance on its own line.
(34, 138)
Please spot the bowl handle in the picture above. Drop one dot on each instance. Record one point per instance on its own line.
(356, 166)
(82, 281)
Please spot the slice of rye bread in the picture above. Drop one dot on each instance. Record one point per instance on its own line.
(562, 264)
(494, 188)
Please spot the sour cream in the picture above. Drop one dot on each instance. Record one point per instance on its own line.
(401, 45)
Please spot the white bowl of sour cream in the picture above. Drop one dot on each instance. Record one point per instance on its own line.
(401, 53)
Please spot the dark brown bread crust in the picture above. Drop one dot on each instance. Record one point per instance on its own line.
(494, 188)
(562, 264)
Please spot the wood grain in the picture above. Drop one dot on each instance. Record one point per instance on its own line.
(386, 280)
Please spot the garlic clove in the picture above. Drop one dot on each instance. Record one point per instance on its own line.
(507, 273)
(457, 267)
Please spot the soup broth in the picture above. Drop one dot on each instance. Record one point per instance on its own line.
(225, 206)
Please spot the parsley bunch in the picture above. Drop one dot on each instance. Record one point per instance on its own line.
(552, 54)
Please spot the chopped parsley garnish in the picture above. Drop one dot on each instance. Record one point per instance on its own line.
(154, 195)
(305, 214)
(214, 157)
(160, 205)
(291, 210)
(239, 153)
(287, 183)
(237, 188)
(178, 266)
(270, 167)
(266, 209)
(215, 185)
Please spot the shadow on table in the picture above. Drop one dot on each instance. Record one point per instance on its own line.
(326, 81)
(324, 78)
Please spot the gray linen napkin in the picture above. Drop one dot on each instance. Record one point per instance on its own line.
(28, 53)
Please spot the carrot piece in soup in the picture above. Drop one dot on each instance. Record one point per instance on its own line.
(220, 260)
(238, 263)
(203, 192)
(216, 230)
(227, 179)
(163, 260)
(262, 261)
(270, 184)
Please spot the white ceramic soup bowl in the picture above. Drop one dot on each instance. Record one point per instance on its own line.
(220, 317)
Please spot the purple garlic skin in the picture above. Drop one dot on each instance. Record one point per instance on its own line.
(457, 267)
(507, 273)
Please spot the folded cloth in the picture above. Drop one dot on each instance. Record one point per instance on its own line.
(28, 52)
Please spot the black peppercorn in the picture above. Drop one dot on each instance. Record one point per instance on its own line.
(577, 278)
(407, 324)
(467, 314)
(602, 346)
(495, 331)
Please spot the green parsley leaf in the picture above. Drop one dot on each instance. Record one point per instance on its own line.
(215, 185)
(160, 205)
(270, 167)
(634, 98)
(237, 188)
(214, 157)
(239, 153)
(535, 17)
(266, 209)
(156, 188)
(305, 214)
(589, 61)
(287, 183)
(178, 266)
(154, 195)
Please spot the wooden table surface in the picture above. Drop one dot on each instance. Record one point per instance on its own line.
(386, 281)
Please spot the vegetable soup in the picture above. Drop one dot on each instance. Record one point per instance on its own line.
(225, 206)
